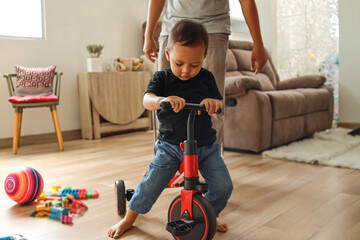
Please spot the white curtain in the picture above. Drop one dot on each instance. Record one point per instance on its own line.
(307, 41)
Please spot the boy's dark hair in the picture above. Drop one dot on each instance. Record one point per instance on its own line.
(188, 33)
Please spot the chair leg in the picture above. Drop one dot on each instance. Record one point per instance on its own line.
(57, 128)
(19, 132)
(17, 127)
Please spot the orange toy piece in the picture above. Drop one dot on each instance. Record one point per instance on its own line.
(54, 190)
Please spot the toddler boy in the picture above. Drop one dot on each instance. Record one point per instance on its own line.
(185, 81)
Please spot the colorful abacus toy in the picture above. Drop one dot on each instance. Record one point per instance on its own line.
(24, 185)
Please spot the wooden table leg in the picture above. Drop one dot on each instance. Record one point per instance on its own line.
(96, 123)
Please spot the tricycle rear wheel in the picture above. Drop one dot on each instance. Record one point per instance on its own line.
(120, 196)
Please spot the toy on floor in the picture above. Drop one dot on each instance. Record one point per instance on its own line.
(60, 210)
(61, 214)
(57, 192)
(24, 185)
(63, 204)
(13, 237)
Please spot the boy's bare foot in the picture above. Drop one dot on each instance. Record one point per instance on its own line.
(221, 227)
(118, 229)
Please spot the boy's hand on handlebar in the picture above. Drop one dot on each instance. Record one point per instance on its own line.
(211, 105)
(177, 103)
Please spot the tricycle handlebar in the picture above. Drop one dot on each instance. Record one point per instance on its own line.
(189, 106)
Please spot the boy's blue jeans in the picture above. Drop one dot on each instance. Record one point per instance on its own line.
(164, 166)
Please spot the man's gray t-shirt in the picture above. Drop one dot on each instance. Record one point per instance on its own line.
(213, 14)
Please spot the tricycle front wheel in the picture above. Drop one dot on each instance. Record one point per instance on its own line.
(203, 215)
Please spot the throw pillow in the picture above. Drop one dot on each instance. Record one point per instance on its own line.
(239, 85)
(34, 81)
(307, 81)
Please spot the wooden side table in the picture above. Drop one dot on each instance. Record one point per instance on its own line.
(117, 97)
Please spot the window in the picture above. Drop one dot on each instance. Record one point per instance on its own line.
(21, 18)
(238, 24)
(236, 11)
(308, 41)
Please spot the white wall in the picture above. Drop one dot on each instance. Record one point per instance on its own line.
(349, 55)
(70, 26)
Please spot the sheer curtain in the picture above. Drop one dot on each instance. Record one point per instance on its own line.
(307, 41)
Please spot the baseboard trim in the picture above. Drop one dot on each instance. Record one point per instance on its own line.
(349, 125)
(41, 138)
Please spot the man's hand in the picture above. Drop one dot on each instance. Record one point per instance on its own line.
(177, 103)
(211, 105)
(252, 20)
(259, 56)
(150, 49)
(154, 11)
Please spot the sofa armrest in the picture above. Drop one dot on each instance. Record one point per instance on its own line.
(310, 81)
(238, 85)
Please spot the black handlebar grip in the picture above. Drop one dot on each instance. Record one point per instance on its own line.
(218, 111)
(165, 106)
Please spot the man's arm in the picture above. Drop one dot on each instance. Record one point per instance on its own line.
(154, 11)
(252, 19)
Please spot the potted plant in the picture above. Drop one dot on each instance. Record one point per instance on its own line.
(94, 62)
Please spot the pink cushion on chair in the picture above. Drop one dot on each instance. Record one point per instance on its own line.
(33, 98)
(34, 81)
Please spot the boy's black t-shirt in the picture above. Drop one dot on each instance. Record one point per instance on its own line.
(173, 125)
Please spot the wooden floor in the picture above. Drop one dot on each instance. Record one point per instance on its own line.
(272, 199)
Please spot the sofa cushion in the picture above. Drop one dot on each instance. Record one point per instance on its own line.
(287, 103)
(230, 64)
(232, 74)
(241, 45)
(243, 62)
(243, 59)
(287, 130)
(265, 82)
(317, 99)
(317, 121)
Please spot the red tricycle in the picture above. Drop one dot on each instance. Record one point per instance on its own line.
(190, 215)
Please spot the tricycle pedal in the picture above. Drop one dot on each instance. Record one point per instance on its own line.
(180, 227)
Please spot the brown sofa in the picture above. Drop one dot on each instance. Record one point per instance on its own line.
(263, 112)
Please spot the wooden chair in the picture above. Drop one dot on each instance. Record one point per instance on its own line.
(34, 101)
